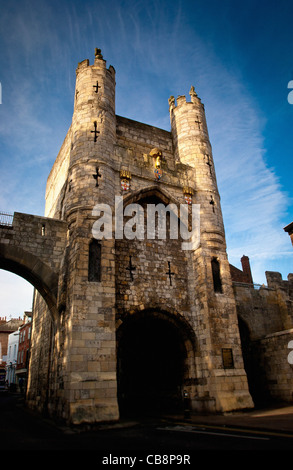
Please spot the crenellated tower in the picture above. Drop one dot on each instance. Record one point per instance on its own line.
(193, 148)
(213, 286)
(84, 174)
(93, 132)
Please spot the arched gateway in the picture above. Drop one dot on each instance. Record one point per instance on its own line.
(155, 363)
(128, 305)
(32, 248)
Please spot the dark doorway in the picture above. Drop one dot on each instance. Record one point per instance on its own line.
(256, 377)
(151, 356)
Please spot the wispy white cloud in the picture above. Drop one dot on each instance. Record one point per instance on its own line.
(253, 202)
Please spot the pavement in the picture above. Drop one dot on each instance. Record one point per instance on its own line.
(267, 429)
(274, 419)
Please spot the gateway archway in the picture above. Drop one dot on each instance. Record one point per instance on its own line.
(33, 270)
(152, 365)
(33, 248)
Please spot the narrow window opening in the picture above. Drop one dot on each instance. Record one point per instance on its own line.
(227, 358)
(216, 275)
(94, 272)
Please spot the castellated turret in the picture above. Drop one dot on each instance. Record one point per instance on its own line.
(94, 107)
(88, 149)
(189, 129)
(192, 147)
(93, 132)
(82, 177)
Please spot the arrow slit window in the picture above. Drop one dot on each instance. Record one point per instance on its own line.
(216, 276)
(94, 270)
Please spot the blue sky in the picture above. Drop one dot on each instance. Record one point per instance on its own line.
(237, 54)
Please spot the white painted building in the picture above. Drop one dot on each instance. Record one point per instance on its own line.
(11, 358)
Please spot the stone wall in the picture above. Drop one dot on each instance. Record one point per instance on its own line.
(57, 180)
(265, 309)
(33, 248)
(38, 387)
(272, 374)
(259, 309)
(265, 320)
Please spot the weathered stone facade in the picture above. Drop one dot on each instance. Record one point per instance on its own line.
(132, 323)
(83, 368)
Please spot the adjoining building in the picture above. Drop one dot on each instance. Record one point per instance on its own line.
(17, 359)
(11, 362)
(23, 353)
(6, 328)
(289, 230)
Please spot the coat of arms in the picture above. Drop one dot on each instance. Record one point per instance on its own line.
(125, 177)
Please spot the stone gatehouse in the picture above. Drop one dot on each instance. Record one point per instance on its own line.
(135, 321)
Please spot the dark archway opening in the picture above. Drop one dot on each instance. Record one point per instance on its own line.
(32, 269)
(151, 358)
(256, 378)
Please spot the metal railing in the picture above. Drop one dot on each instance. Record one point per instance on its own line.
(254, 286)
(6, 219)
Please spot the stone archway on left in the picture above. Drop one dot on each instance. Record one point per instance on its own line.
(33, 248)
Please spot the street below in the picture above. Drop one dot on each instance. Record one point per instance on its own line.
(151, 440)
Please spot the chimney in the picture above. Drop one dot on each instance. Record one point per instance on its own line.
(246, 269)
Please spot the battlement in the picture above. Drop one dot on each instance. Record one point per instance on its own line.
(99, 62)
(275, 280)
(81, 65)
(181, 100)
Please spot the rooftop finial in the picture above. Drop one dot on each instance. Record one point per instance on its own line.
(98, 53)
(171, 101)
(193, 95)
